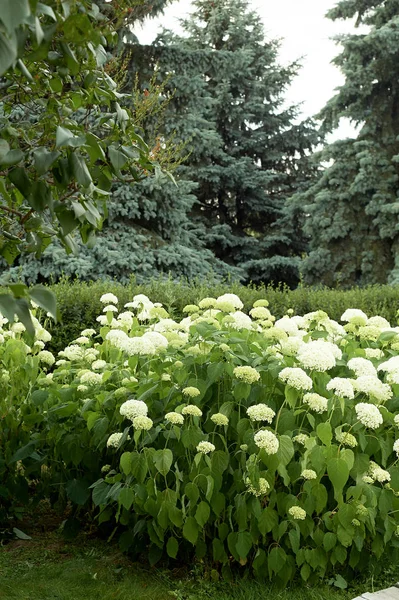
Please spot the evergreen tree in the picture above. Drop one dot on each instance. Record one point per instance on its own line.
(352, 209)
(248, 155)
(146, 231)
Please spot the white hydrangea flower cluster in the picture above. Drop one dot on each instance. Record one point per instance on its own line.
(266, 440)
(376, 473)
(246, 373)
(315, 402)
(205, 447)
(174, 418)
(114, 439)
(369, 415)
(90, 378)
(296, 378)
(192, 410)
(355, 316)
(220, 419)
(262, 489)
(396, 447)
(239, 320)
(373, 387)
(261, 412)
(346, 438)
(297, 513)
(342, 387)
(309, 474)
(133, 408)
(317, 356)
(46, 357)
(109, 299)
(191, 392)
(97, 365)
(362, 367)
(142, 423)
(301, 438)
(376, 353)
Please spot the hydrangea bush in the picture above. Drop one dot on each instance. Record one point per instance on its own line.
(240, 439)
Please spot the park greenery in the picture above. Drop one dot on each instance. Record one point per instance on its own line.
(199, 404)
(233, 438)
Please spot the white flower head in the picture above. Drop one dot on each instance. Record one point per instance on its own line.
(261, 412)
(114, 439)
(266, 440)
(354, 315)
(362, 366)
(174, 418)
(192, 410)
(309, 474)
(261, 489)
(297, 513)
(246, 373)
(341, 387)
(133, 408)
(142, 423)
(220, 419)
(369, 415)
(296, 378)
(205, 447)
(109, 299)
(191, 392)
(315, 402)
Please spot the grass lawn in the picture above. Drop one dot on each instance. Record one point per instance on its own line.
(48, 567)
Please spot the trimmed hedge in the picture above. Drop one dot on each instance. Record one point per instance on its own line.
(79, 302)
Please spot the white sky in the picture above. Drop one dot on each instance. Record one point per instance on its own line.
(305, 33)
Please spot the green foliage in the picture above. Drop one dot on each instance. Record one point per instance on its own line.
(196, 438)
(350, 212)
(246, 155)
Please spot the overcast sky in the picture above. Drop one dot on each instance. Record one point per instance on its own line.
(305, 33)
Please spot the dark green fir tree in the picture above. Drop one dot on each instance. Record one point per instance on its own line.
(351, 212)
(248, 152)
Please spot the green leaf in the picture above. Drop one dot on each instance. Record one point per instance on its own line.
(202, 513)
(80, 170)
(329, 541)
(268, 520)
(20, 179)
(8, 52)
(118, 160)
(20, 534)
(14, 13)
(4, 148)
(8, 306)
(277, 559)
(190, 530)
(338, 472)
(163, 460)
(63, 137)
(192, 492)
(23, 452)
(22, 309)
(324, 433)
(126, 497)
(291, 395)
(219, 462)
(294, 537)
(100, 492)
(39, 397)
(78, 491)
(172, 547)
(286, 450)
(45, 298)
(44, 159)
(126, 463)
(244, 543)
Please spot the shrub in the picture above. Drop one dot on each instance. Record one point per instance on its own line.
(236, 439)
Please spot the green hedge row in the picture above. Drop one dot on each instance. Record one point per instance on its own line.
(79, 302)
